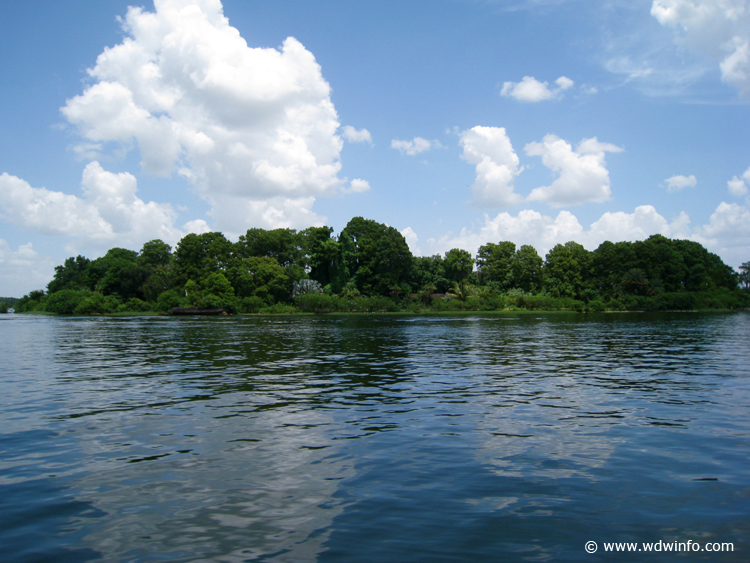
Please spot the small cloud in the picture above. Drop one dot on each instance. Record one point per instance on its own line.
(356, 136)
(357, 186)
(198, 227)
(737, 186)
(532, 90)
(415, 146)
(679, 183)
(564, 82)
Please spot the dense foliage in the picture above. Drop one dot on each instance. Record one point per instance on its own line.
(369, 268)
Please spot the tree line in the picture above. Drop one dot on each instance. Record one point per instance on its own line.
(369, 267)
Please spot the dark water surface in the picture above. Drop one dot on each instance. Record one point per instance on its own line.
(373, 439)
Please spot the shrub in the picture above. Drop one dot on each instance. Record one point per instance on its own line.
(136, 305)
(33, 301)
(251, 304)
(376, 304)
(279, 309)
(539, 302)
(97, 304)
(318, 303)
(170, 299)
(65, 302)
(675, 302)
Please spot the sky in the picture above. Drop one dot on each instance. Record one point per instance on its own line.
(458, 122)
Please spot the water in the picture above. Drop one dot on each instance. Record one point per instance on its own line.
(348, 439)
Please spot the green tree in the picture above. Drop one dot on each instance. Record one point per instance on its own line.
(567, 270)
(375, 255)
(495, 264)
(199, 255)
(461, 289)
(156, 259)
(33, 301)
(117, 273)
(458, 264)
(65, 301)
(155, 253)
(744, 277)
(71, 275)
(322, 256)
(428, 272)
(217, 292)
(609, 263)
(262, 277)
(282, 244)
(527, 267)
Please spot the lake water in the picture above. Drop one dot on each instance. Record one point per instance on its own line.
(373, 438)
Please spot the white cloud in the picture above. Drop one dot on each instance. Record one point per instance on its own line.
(532, 90)
(356, 136)
(737, 186)
(718, 28)
(639, 225)
(679, 183)
(23, 270)
(727, 233)
(544, 232)
(245, 125)
(412, 240)
(528, 227)
(110, 213)
(359, 186)
(490, 150)
(415, 146)
(583, 176)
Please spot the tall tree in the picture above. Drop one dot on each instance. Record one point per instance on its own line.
(117, 272)
(495, 264)
(261, 277)
(528, 269)
(458, 264)
(744, 277)
(567, 270)
(376, 256)
(198, 255)
(155, 253)
(429, 272)
(281, 244)
(71, 275)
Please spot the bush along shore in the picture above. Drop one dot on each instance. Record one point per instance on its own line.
(368, 268)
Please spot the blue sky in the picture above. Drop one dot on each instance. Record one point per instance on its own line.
(459, 122)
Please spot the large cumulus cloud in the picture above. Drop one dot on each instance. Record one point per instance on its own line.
(253, 129)
(497, 166)
(582, 173)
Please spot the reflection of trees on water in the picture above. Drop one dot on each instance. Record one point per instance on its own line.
(230, 438)
(242, 488)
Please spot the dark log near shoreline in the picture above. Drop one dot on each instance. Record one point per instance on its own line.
(196, 311)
